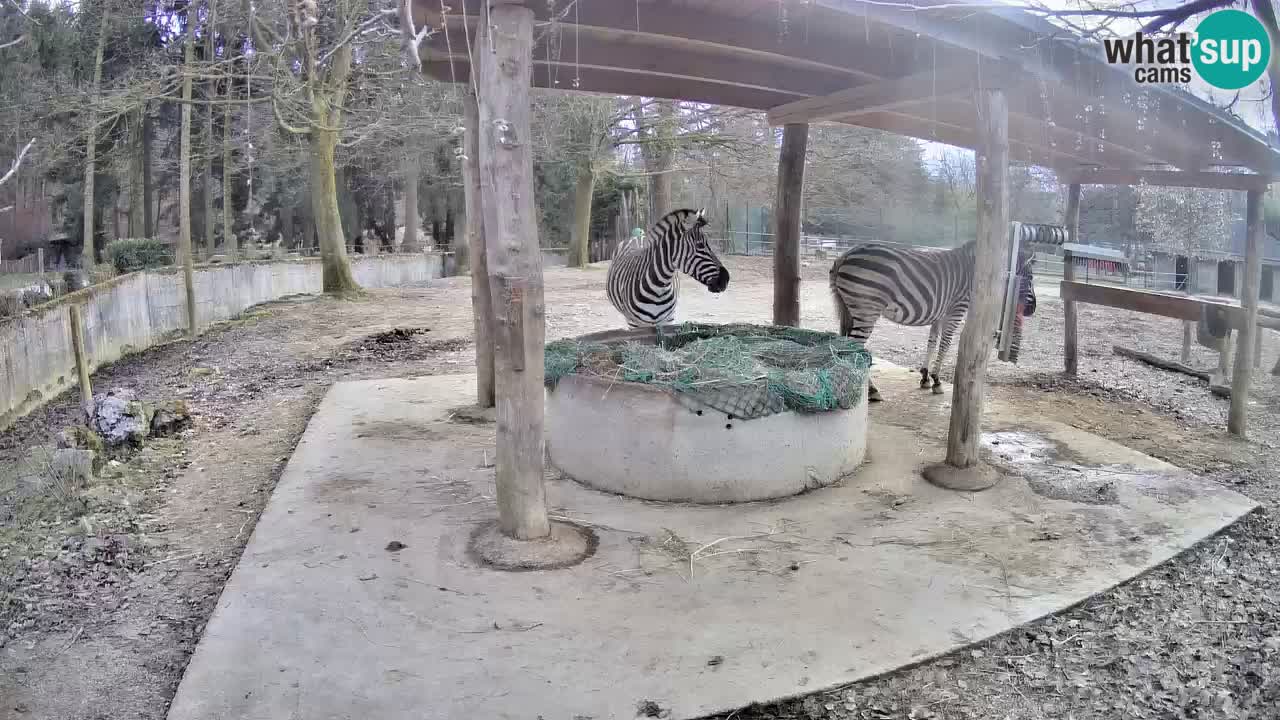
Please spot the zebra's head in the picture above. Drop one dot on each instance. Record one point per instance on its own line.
(693, 254)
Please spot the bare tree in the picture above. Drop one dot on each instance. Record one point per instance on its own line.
(87, 256)
(314, 61)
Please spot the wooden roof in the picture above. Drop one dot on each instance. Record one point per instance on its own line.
(910, 72)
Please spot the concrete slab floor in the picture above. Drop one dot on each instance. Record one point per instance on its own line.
(356, 598)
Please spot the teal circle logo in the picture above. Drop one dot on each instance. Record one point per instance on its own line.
(1232, 49)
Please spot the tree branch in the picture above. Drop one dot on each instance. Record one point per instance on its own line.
(412, 36)
(17, 163)
(13, 42)
(282, 123)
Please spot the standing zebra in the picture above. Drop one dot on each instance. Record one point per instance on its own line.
(914, 287)
(642, 277)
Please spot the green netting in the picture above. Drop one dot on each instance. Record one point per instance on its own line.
(747, 371)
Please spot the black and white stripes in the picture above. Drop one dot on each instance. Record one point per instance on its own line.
(914, 287)
(641, 282)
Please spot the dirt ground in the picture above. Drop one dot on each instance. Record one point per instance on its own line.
(101, 604)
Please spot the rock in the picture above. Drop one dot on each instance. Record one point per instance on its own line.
(120, 420)
(170, 418)
(201, 371)
(80, 437)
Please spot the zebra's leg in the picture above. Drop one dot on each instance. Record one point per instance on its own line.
(949, 325)
(932, 345)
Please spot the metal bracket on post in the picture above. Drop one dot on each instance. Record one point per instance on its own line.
(1009, 308)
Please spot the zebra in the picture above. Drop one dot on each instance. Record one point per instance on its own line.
(642, 280)
(915, 287)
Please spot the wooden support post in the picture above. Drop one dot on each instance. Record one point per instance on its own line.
(82, 359)
(1257, 350)
(515, 266)
(786, 244)
(1070, 350)
(1237, 420)
(40, 261)
(481, 299)
(990, 253)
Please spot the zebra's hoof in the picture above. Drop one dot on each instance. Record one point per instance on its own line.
(937, 389)
(873, 395)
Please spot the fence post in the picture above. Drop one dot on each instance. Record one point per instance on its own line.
(40, 261)
(82, 360)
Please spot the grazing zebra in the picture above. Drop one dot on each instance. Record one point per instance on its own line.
(914, 287)
(642, 277)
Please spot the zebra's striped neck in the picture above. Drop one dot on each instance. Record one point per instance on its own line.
(661, 255)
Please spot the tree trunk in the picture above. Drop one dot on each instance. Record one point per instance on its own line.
(412, 169)
(992, 248)
(515, 269)
(184, 173)
(207, 145)
(659, 155)
(324, 210)
(87, 256)
(230, 244)
(481, 298)
(149, 219)
(137, 208)
(786, 249)
(579, 241)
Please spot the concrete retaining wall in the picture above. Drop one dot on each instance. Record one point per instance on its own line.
(136, 311)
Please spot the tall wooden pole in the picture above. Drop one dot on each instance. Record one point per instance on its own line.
(185, 251)
(991, 250)
(1237, 420)
(481, 299)
(515, 266)
(82, 359)
(786, 245)
(1070, 351)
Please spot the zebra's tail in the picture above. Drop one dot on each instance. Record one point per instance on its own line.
(842, 310)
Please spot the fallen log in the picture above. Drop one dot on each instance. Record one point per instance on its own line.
(1160, 362)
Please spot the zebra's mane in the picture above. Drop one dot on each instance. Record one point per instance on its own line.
(646, 242)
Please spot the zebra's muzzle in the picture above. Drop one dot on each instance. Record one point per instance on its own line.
(720, 282)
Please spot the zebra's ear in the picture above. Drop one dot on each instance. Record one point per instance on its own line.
(700, 218)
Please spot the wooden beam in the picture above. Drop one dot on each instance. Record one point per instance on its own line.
(1178, 307)
(515, 268)
(559, 60)
(990, 252)
(614, 81)
(1070, 350)
(481, 296)
(1070, 76)
(1163, 364)
(694, 26)
(1242, 375)
(890, 93)
(786, 246)
(1171, 178)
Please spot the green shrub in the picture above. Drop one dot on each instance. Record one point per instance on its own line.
(130, 255)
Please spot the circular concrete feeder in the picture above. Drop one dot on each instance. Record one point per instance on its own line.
(641, 441)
